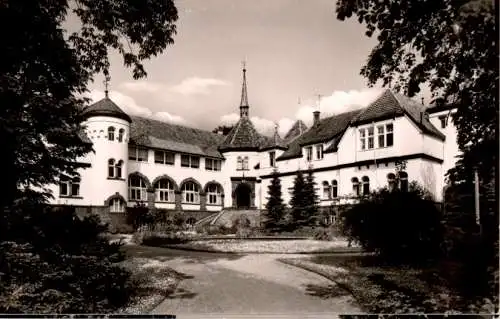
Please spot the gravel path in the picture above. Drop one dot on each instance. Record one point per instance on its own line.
(255, 285)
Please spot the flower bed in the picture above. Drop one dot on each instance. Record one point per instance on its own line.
(266, 246)
(154, 282)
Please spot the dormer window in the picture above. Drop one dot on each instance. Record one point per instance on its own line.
(443, 121)
(319, 151)
(309, 153)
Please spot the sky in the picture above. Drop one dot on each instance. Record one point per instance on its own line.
(294, 50)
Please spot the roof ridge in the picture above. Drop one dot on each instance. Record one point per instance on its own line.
(236, 130)
(174, 124)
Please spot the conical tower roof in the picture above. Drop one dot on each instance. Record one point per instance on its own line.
(297, 129)
(106, 107)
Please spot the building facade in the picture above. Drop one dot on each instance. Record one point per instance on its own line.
(185, 169)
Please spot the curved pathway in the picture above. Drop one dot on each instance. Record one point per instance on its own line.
(255, 285)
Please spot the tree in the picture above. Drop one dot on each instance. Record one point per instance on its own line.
(399, 226)
(275, 209)
(311, 197)
(53, 261)
(298, 201)
(45, 69)
(223, 128)
(450, 45)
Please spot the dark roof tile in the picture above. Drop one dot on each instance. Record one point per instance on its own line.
(105, 107)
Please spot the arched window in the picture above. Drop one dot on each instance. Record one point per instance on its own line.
(403, 181)
(391, 181)
(116, 205)
(121, 132)
(366, 185)
(191, 193)
(137, 188)
(118, 169)
(111, 133)
(111, 167)
(326, 190)
(335, 189)
(214, 194)
(164, 190)
(355, 186)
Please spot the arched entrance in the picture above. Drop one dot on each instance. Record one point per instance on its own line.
(242, 195)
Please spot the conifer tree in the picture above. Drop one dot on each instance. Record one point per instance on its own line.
(299, 201)
(311, 197)
(275, 208)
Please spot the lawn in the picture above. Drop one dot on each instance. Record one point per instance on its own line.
(266, 246)
(386, 289)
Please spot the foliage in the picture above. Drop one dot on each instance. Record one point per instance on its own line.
(311, 198)
(45, 70)
(400, 226)
(298, 201)
(225, 129)
(275, 209)
(158, 239)
(53, 262)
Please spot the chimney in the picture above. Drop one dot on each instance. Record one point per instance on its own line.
(316, 118)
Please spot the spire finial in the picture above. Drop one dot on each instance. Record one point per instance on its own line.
(244, 95)
(106, 85)
(276, 133)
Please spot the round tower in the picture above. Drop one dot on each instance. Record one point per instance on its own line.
(105, 182)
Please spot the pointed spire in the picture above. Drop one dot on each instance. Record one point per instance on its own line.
(276, 133)
(244, 95)
(106, 85)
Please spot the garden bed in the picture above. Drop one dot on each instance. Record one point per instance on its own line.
(272, 246)
(384, 289)
(154, 280)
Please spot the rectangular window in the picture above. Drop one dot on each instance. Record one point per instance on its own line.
(272, 159)
(190, 161)
(389, 135)
(245, 163)
(309, 153)
(442, 119)
(362, 139)
(212, 164)
(138, 154)
(370, 138)
(319, 152)
(381, 136)
(69, 187)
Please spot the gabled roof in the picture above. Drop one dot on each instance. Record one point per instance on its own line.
(106, 107)
(391, 104)
(161, 135)
(297, 129)
(243, 136)
(275, 142)
(327, 129)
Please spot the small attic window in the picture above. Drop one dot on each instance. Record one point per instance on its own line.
(443, 121)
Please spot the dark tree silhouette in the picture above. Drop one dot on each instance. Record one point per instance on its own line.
(275, 209)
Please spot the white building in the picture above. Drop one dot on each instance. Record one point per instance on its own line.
(194, 171)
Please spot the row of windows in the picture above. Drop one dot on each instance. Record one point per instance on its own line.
(363, 187)
(164, 191)
(384, 137)
(168, 158)
(111, 134)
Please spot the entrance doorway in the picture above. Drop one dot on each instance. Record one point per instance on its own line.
(243, 193)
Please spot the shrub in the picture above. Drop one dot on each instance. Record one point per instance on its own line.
(54, 262)
(160, 239)
(401, 226)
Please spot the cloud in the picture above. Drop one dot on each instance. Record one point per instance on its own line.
(338, 102)
(142, 86)
(197, 85)
(129, 106)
